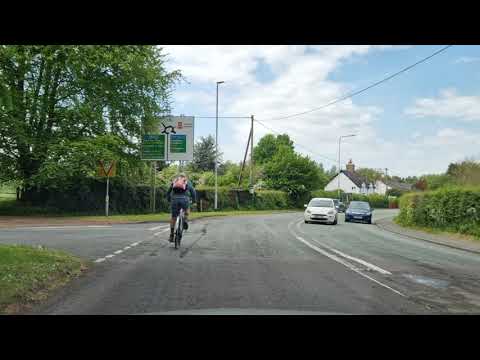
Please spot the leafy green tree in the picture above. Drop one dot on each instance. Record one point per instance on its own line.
(68, 162)
(291, 172)
(464, 173)
(436, 181)
(55, 95)
(269, 145)
(371, 174)
(204, 155)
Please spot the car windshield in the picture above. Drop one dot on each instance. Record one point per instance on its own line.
(321, 203)
(359, 205)
(383, 140)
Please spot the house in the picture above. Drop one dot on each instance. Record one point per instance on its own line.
(351, 182)
(383, 185)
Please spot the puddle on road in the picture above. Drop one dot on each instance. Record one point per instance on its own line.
(423, 280)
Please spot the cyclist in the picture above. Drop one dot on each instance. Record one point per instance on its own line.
(177, 195)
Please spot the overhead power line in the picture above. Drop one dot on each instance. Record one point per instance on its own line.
(296, 143)
(347, 96)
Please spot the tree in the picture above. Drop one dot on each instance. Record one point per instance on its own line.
(269, 145)
(464, 173)
(370, 174)
(53, 96)
(291, 172)
(436, 181)
(204, 155)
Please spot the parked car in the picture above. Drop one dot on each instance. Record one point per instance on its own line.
(359, 211)
(340, 206)
(321, 210)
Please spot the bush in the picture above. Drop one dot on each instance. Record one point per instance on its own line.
(88, 196)
(376, 201)
(452, 209)
(242, 200)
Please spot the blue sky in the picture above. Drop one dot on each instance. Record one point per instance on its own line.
(415, 123)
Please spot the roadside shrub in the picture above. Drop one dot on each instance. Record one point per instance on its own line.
(453, 208)
(376, 201)
(242, 199)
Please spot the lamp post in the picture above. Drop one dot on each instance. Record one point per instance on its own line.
(216, 151)
(339, 141)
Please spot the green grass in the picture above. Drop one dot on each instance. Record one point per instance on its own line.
(27, 274)
(7, 197)
(166, 216)
(435, 231)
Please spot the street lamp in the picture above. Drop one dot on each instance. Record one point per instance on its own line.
(216, 151)
(339, 141)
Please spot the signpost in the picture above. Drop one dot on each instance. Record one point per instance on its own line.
(168, 139)
(107, 169)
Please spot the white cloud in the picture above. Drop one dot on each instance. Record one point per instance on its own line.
(448, 105)
(301, 82)
(466, 59)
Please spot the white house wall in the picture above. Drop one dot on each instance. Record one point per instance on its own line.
(345, 184)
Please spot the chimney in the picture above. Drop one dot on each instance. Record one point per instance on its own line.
(351, 166)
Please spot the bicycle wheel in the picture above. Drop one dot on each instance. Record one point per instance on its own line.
(179, 231)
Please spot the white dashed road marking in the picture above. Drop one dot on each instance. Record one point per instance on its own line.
(164, 227)
(161, 232)
(158, 227)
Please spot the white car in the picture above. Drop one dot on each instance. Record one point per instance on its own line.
(321, 210)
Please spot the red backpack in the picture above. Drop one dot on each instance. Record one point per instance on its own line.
(179, 184)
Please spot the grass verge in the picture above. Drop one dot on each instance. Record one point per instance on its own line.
(166, 216)
(28, 274)
(452, 233)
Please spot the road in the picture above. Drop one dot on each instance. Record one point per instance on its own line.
(259, 264)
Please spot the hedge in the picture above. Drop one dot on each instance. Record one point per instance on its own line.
(375, 200)
(88, 196)
(451, 209)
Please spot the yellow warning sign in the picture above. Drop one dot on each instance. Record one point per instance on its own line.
(107, 168)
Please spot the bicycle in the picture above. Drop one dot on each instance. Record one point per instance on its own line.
(178, 231)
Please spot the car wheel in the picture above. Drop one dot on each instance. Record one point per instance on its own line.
(370, 221)
(307, 222)
(335, 222)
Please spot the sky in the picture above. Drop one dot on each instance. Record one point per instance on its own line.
(416, 123)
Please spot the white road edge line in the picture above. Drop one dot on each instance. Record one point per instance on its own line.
(134, 244)
(118, 252)
(59, 227)
(109, 256)
(360, 261)
(100, 260)
(337, 259)
(126, 248)
(157, 227)
(161, 232)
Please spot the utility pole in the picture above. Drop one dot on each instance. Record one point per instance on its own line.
(244, 158)
(251, 152)
(216, 150)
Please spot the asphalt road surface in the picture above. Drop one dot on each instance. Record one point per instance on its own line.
(262, 264)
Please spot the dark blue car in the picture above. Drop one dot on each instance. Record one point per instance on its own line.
(359, 211)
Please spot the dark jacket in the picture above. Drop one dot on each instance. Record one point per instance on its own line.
(182, 194)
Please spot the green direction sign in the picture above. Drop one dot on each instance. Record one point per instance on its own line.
(178, 143)
(153, 147)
